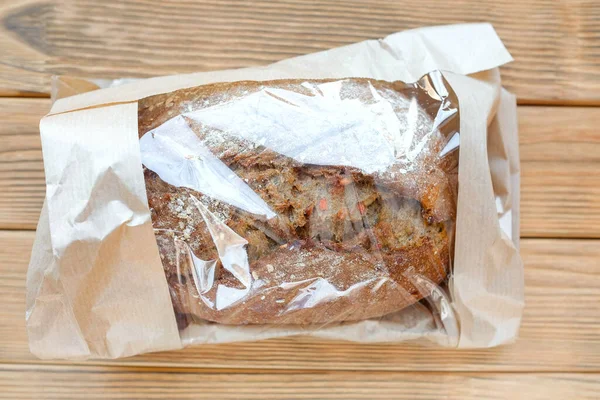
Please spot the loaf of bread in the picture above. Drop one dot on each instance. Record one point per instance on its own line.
(339, 241)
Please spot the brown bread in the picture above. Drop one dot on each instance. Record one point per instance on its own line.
(345, 245)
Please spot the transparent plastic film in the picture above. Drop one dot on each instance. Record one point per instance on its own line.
(304, 202)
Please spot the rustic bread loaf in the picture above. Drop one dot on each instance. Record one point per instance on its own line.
(344, 245)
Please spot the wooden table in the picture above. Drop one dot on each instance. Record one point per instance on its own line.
(556, 76)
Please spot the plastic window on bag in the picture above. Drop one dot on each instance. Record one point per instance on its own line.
(303, 202)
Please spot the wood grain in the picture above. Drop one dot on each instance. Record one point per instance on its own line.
(27, 382)
(559, 331)
(557, 52)
(560, 153)
(22, 184)
(560, 185)
(555, 43)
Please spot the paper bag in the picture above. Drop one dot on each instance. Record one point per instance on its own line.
(95, 284)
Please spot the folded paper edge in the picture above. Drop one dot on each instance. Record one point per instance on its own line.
(487, 285)
(85, 308)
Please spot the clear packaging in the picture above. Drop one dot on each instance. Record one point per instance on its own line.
(302, 202)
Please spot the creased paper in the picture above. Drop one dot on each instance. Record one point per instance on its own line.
(103, 290)
(95, 284)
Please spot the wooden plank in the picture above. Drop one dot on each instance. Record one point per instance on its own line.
(22, 66)
(68, 382)
(554, 42)
(560, 153)
(22, 184)
(560, 160)
(559, 331)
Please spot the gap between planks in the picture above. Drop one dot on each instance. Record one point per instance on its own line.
(6, 93)
(49, 365)
(41, 365)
